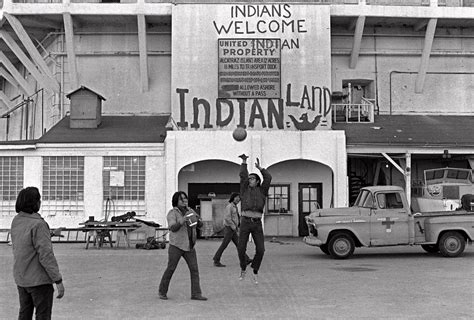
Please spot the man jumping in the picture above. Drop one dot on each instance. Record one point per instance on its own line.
(253, 195)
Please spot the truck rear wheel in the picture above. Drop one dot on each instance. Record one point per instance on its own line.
(324, 248)
(452, 244)
(341, 245)
(431, 248)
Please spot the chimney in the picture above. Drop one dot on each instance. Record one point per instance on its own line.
(85, 109)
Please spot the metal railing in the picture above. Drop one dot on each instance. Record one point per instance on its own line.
(27, 128)
(353, 112)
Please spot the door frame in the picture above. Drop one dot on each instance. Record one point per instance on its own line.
(302, 227)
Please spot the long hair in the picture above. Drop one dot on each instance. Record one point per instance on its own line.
(28, 200)
(233, 196)
(176, 196)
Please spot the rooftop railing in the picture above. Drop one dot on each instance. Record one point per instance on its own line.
(353, 112)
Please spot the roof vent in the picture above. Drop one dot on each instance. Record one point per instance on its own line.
(86, 108)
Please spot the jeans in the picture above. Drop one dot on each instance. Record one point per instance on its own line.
(254, 228)
(174, 254)
(39, 297)
(229, 235)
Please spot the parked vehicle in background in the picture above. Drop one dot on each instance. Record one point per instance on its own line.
(381, 217)
(442, 189)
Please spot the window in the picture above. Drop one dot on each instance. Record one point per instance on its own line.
(63, 186)
(278, 198)
(364, 199)
(11, 182)
(389, 200)
(124, 185)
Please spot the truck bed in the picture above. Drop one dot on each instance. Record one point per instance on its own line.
(444, 213)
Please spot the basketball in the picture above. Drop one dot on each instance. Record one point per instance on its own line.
(239, 134)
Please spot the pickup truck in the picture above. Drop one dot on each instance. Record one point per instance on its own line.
(381, 217)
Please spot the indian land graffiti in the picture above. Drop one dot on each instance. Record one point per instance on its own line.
(265, 20)
(304, 112)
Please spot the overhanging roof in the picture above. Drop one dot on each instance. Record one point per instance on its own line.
(411, 131)
(113, 129)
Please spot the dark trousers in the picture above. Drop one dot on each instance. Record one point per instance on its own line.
(174, 254)
(39, 297)
(229, 235)
(254, 228)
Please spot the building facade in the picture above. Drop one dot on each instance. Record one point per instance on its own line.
(334, 95)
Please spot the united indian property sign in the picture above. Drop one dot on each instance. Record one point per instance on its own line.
(249, 68)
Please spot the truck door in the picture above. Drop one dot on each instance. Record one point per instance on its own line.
(388, 220)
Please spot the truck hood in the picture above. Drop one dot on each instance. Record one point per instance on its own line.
(333, 212)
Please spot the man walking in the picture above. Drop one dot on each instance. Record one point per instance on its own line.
(231, 227)
(253, 193)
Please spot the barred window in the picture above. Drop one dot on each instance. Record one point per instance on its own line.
(278, 198)
(63, 186)
(11, 182)
(124, 185)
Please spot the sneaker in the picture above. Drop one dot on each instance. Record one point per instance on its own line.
(242, 275)
(255, 278)
(162, 296)
(199, 297)
(218, 264)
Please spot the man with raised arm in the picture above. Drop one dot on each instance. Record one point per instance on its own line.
(253, 193)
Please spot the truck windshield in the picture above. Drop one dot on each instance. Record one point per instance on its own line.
(364, 199)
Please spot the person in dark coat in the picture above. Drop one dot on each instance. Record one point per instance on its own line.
(253, 194)
(35, 268)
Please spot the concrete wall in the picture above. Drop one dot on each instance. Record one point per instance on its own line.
(449, 80)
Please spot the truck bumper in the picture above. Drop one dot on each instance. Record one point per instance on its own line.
(312, 241)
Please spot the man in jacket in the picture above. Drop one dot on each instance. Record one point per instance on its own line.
(182, 222)
(35, 268)
(253, 195)
(231, 227)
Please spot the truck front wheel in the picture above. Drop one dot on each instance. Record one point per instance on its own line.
(451, 244)
(341, 246)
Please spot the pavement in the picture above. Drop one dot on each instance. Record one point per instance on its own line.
(296, 281)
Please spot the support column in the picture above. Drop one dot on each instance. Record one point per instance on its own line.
(33, 52)
(425, 57)
(93, 201)
(33, 172)
(71, 54)
(408, 178)
(142, 49)
(359, 30)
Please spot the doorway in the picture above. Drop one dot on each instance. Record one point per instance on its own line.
(195, 189)
(310, 197)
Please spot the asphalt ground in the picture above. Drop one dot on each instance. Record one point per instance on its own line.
(296, 281)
